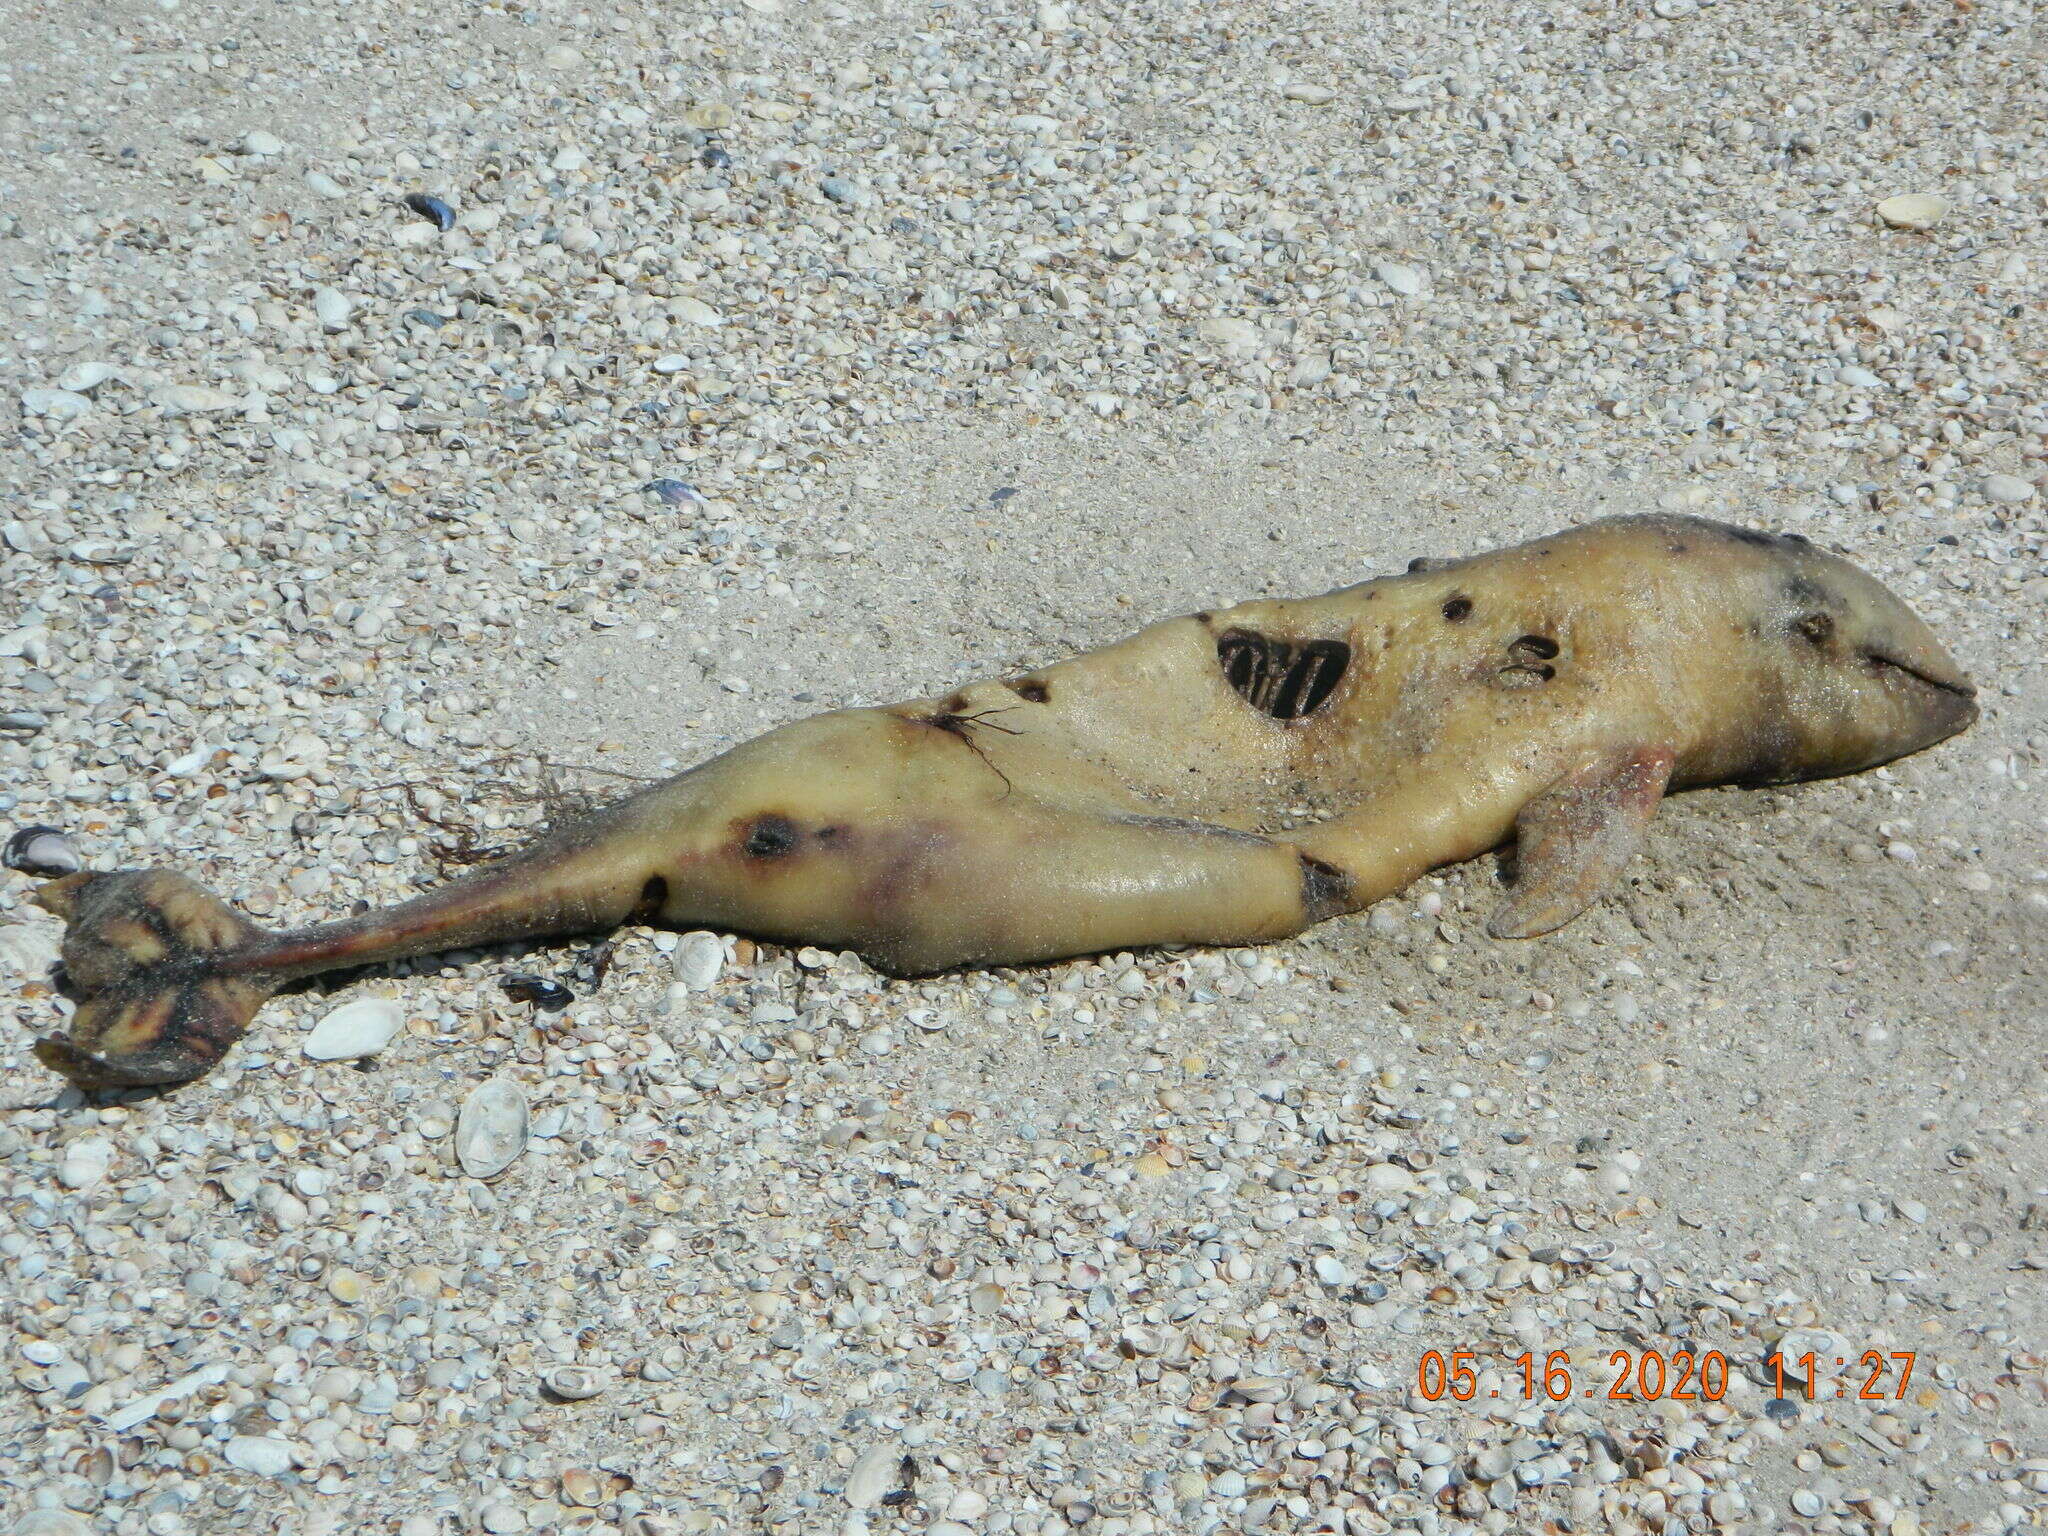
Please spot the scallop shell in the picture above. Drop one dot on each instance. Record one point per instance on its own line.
(356, 1029)
(491, 1131)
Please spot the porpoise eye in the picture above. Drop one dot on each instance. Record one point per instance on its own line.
(1816, 628)
(1458, 609)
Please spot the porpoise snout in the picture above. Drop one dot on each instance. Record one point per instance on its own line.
(1930, 690)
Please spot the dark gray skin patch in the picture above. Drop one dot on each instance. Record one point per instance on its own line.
(771, 837)
(1190, 825)
(1325, 889)
(653, 897)
(1804, 592)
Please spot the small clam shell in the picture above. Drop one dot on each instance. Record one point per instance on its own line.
(1913, 210)
(43, 852)
(573, 1383)
(359, 1028)
(700, 956)
(491, 1130)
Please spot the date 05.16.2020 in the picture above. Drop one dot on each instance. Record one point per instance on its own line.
(1649, 1375)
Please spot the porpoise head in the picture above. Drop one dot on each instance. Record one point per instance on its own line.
(1851, 677)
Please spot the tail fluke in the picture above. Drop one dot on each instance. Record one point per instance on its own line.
(151, 957)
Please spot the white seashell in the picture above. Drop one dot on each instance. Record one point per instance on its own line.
(1388, 1179)
(295, 758)
(57, 404)
(265, 1455)
(696, 311)
(332, 307)
(31, 643)
(141, 1410)
(189, 762)
(573, 1383)
(356, 1029)
(86, 377)
(1404, 280)
(1310, 371)
(491, 1131)
(194, 399)
(1230, 333)
(878, 1470)
(1913, 210)
(29, 949)
(85, 1163)
(700, 956)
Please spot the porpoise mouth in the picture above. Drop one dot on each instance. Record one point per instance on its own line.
(1955, 684)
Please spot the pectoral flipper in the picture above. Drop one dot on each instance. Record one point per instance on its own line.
(1573, 840)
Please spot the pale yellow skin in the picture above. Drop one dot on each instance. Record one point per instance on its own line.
(1133, 796)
